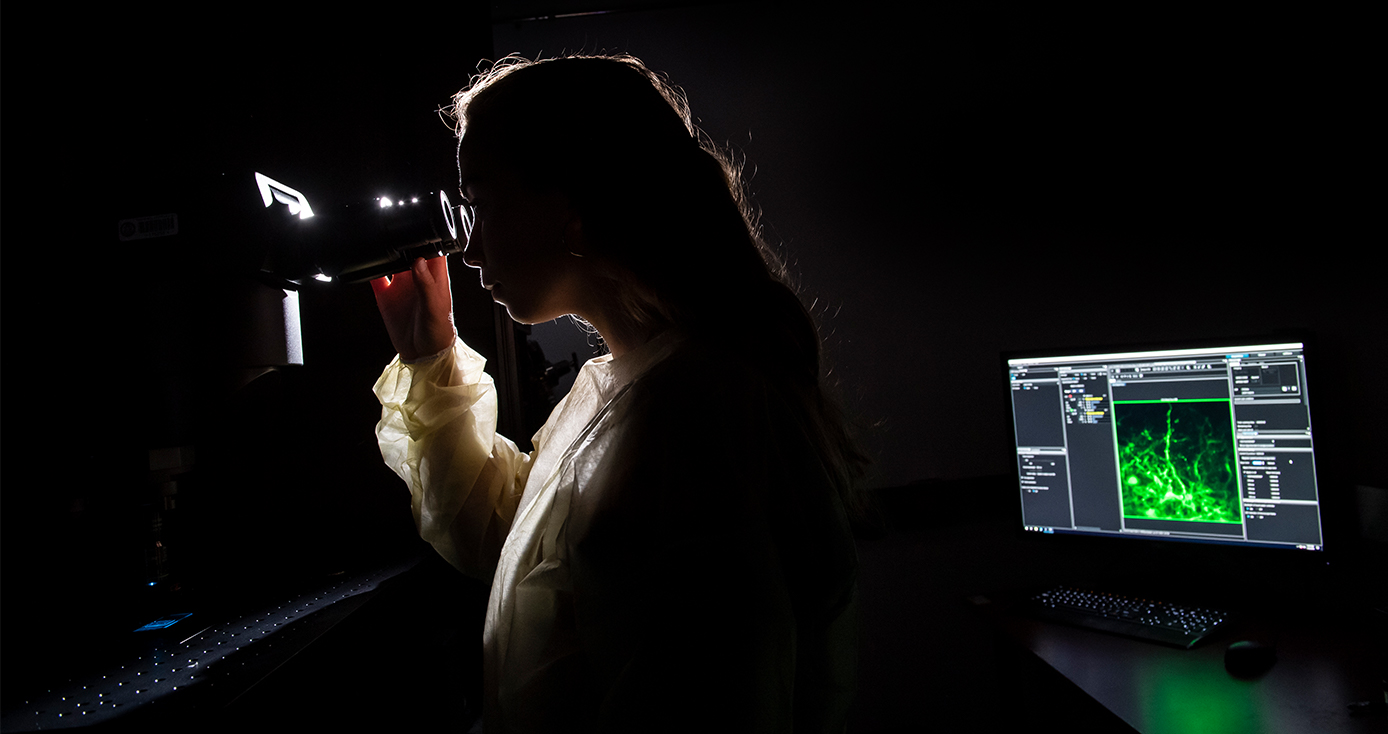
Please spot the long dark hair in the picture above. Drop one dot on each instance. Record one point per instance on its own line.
(667, 209)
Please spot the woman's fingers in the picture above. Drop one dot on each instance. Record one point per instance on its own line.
(431, 273)
(393, 288)
(417, 307)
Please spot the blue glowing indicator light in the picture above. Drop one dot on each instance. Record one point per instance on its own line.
(164, 622)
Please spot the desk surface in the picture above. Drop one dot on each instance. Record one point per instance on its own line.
(1157, 689)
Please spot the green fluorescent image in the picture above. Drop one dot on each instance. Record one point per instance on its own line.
(1176, 460)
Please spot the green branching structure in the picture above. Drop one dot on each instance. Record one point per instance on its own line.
(1176, 461)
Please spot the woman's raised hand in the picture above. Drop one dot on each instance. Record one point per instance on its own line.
(417, 306)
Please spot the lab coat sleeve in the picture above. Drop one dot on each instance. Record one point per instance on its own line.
(438, 432)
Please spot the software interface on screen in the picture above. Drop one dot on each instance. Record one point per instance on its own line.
(1204, 445)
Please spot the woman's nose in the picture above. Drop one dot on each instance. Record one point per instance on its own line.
(472, 253)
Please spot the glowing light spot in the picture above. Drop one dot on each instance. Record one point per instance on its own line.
(272, 191)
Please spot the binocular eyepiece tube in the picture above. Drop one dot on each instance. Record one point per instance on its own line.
(359, 242)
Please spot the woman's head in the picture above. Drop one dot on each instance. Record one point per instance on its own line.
(616, 183)
(661, 212)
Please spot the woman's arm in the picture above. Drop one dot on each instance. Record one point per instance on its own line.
(438, 424)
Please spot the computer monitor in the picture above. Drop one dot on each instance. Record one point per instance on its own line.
(1200, 444)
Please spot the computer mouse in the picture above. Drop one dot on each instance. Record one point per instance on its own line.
(1249, 658)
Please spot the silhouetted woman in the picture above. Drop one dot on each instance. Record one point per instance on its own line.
(675, 555)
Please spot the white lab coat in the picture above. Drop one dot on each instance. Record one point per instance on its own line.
(671, 556)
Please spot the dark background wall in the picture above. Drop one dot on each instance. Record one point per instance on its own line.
(951, 183)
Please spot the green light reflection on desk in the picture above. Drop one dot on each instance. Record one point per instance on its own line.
(1195, 694)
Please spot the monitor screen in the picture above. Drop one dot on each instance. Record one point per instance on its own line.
(1204, 445)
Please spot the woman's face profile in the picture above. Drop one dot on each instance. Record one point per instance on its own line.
(519, 239)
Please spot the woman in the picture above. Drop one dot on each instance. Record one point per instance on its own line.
(676, 553)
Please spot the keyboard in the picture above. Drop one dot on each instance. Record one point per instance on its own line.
(1130, 616)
